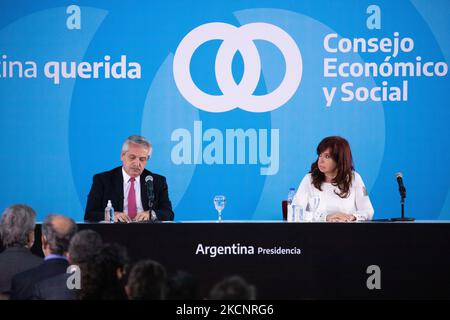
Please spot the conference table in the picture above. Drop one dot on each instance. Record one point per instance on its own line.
(316, 260)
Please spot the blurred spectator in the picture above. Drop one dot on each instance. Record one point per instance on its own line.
(182, 286)
(82, 249)
(147, 281)
(17, 233)
(233, 288)
(104, 277)
(57, 231)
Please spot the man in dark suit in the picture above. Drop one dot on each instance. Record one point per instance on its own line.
(83, 247)
(126, 187)
(57, 231)
(17, 234)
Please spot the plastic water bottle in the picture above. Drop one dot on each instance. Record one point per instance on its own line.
(290, 211)
(109, 213)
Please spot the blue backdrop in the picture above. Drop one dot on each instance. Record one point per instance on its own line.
(75, 81)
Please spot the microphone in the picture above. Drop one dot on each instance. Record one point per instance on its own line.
(401, 186)
(150, 193)
(402, 190)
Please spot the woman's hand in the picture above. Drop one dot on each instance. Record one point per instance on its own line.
(340, 217)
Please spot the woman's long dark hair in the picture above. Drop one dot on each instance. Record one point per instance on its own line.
(342, 155)
(99, 279)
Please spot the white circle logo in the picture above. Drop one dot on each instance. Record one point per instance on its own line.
(237, 39)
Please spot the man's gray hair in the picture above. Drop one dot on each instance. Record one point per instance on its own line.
(140, 140)
(58, 240)
(17, 222)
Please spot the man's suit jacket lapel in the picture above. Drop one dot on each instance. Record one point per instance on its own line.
(118, 189)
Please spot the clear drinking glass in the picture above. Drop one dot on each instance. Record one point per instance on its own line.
(314, 202)
(219, 204)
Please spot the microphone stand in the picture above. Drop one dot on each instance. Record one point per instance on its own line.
(402, 201)
(150, 205)
(151, 198)
(150, 209)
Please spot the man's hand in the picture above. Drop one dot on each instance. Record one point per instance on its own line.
(340, 217)
(122, 217)
(142, 216)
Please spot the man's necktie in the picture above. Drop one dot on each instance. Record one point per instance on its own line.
(132, 200)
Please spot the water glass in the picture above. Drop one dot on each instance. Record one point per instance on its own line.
(219, 204)
(313, 202)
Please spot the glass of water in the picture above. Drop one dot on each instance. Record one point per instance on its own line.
(314, 202)
(219, 204)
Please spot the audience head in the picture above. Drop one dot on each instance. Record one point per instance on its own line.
(105, 274)
(17, 226)
(182, 286)
(147, 281)
(57, 231)
(233, 288)
(84, 245)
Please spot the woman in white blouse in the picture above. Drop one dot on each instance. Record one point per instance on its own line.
(343, 196)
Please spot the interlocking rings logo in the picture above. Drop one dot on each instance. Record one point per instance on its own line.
(237, 39)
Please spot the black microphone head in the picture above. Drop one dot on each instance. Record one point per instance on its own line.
(148, 178)
(401, 186)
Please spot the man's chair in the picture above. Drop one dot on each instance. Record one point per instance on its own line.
(284, 204)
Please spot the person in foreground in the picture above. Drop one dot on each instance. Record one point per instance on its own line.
(126, 187)
(17, 234)
(233, 288)
(57, 231)
(83, 247)
(341, 190)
